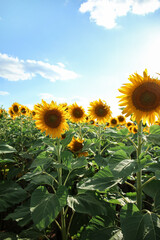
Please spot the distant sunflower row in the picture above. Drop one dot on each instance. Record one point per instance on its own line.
(52, 118)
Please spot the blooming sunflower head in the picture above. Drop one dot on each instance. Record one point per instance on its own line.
(11, 112)
(76, 146)
(15, 108)
(99, 110)
(76, 113)
(23, 110)
(129, 124)
(141, 97)
(121, 119)
(51, 119)
(134, 129)
(113, 122)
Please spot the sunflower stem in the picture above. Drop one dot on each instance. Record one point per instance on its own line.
(139, 173)
(80, 131)
(63, 220)
(99, 137)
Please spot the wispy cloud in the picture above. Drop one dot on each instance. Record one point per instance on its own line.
(15, 69)
(3, 93)
(105, 12)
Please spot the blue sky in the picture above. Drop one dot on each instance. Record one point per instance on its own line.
(75, 50)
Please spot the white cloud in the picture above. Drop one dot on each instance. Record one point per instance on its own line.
(2, 93)
(105, 12)
(15, 69)
(50, 97)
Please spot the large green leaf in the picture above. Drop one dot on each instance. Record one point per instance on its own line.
(152, 188)
(101, 161)
(45, 206)
(123, 168)
(98, 228)
(10, 194)
(21, 215)
(136, 226)
(89, 203)
(154, 129)
(157, 202)
(101, 181)
(5, 148)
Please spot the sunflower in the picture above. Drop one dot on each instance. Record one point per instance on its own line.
(99, 110)
(15, 108)
(23, 110)
(134, 129)
(51, 119)
(76, 146)
(141, 97)
(64, 105)
(77, 113)
(113, 122)
(129, 124)
(11, 113)
(121, 119)
(146, 129)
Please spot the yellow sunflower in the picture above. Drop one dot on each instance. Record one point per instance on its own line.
(11, 113)
(15, 108)
(121, 119)
(134, 129)
(76, 146)
(23, 110)
(113, 122)
(99, 110)
(141, 97)
(129, 124)
(76, 113)
(51, 119)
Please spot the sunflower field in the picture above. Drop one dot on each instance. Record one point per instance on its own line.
(70, 175)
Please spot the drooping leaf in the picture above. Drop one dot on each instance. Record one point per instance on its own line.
(101, 181)
(45, 206)
(10, 194)
(137, 226)
(21, 215)
(98, 228)
(5, 148)
(89, 203)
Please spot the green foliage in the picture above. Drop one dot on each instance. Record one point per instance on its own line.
(46, 188)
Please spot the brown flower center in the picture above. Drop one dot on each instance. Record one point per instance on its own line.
(120, 118)
(77, 112)
(15, 108)
(23, 110)
(77, 146)
(114, 121)
(52, 118)
(146, 97)
(101, 111)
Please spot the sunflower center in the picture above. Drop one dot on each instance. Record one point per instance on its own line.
(113, 121)
(146, 97)
(100, 111)
(121, 118)
(77, 112)
(15, 108)
(77, 146)
(52, 118)
(23, 110)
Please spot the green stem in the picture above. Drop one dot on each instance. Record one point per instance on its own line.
(130, 184)
(69, 225)
(80, 131)
(63, 220)
(99, 137)
(139, 173)
(149, 180)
